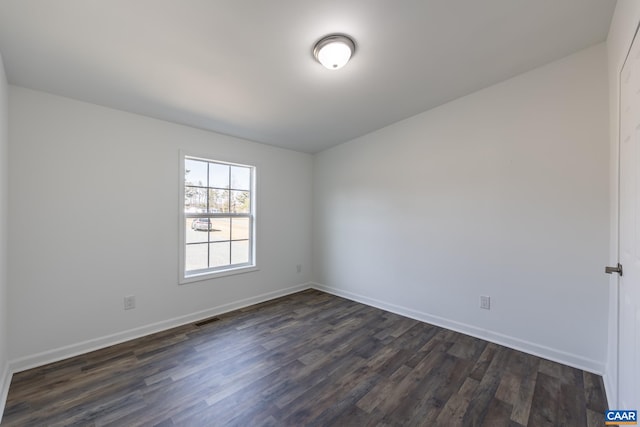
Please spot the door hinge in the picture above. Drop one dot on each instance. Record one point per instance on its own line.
(611, 270)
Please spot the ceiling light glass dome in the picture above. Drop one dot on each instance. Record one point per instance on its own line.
(334, 51)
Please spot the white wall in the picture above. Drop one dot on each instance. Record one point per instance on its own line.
(5, 377)
(623, 26)
(93, 211)
(502, 193)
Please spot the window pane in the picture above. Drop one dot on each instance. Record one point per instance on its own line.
(195, 172)
(222, 193)
(195, 230)
(195, 199)
(196, 257)
(240, 202)
(240, 178)
(240, 228)
(221, 229)
(219, 254)
(240, 252)
(218, 175)
(218, 201)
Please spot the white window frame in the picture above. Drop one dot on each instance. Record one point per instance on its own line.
(215, 272)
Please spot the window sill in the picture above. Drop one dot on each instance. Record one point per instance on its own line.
(217, 274)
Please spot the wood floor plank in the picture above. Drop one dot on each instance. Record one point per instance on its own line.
(483, 362)
(498, 414)
(305, 359)
(595, 399)
(485, 392)
(452, 414)
(417, 403)
(544, 408)
(595, 419)
(383, 390)
(508, 388)
(524, 397)
(402, 394)
(436, 391)
(571, 406)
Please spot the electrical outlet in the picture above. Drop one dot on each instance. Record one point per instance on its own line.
(485, 302)
(129, 302)
(299, 268)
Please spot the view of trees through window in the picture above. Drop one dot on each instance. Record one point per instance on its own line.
(218, 215)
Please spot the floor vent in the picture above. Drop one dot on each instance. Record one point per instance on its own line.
(207, 321)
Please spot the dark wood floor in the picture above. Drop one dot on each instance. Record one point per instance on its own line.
(306, 359)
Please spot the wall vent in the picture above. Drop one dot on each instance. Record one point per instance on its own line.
(207, 321)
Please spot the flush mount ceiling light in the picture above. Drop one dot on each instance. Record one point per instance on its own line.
(334, 51)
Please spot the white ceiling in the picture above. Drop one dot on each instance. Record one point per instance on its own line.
(245, 68)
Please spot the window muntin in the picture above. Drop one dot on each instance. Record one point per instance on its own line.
(219, 217)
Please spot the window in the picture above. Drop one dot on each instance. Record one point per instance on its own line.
(218, 220)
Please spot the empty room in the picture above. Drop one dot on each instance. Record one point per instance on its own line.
(296, 213)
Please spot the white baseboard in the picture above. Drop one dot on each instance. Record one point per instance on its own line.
(65, 352)
(50, 356)
(5, 382)
(555, 355)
